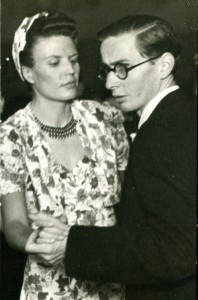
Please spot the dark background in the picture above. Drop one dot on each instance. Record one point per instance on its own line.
(91, 16)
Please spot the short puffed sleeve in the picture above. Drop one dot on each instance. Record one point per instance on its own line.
(11, 160)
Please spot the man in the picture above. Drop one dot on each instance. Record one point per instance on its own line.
(152, 249)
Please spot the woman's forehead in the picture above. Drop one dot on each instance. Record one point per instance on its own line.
(53, 45)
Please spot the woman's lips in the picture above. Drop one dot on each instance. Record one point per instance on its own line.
(69, 84)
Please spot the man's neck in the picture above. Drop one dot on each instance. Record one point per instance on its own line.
(166, 83)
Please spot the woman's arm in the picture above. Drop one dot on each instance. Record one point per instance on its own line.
(15, 220)
(21, 237)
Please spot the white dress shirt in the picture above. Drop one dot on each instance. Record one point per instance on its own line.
(149, 108)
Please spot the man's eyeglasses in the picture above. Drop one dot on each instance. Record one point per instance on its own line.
(121, 70)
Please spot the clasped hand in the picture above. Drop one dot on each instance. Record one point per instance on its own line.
(49, 241)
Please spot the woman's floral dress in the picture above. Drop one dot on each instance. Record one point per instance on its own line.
(86, 195)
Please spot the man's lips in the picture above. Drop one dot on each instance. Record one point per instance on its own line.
(119, 98)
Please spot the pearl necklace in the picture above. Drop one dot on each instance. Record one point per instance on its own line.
(59, 132)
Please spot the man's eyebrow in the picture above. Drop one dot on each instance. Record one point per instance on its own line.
(120, 61)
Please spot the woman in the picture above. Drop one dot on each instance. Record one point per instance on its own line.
(58, 155)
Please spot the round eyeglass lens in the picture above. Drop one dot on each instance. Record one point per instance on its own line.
(121, 71)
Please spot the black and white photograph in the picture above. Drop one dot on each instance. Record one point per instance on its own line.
(98, 150)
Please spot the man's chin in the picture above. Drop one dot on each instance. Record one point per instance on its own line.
(124, 107)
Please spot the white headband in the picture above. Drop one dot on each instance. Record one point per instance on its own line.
(20, 39)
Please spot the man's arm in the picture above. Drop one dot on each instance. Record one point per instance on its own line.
(155, 242)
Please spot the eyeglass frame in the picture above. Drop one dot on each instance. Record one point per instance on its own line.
(113, 69)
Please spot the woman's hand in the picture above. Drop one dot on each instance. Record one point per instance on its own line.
(50, 228)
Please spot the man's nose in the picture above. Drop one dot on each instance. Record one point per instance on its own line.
(111, 81)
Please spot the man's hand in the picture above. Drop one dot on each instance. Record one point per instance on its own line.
(51, 228)
(49, 241)
(51, 254)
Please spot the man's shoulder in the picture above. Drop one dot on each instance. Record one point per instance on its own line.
(180, 98)
(175, 110)
(173, 121)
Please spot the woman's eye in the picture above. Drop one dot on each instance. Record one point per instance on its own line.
(54, 63)
(74, 61)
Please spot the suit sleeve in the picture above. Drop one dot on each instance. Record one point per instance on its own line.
(155, 242)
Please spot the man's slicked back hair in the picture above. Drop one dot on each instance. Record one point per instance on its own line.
(154, 36)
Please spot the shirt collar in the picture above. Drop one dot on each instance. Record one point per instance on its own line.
(149, 108)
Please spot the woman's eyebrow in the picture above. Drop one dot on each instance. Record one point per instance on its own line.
(58, 56)
(72, 55)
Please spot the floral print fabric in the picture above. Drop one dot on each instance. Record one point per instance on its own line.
(86, 195)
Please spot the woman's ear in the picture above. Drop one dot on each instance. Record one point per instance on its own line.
(27, 74)
(167, 64)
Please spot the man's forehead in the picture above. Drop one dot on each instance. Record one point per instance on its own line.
(119, 47)
(121, 38)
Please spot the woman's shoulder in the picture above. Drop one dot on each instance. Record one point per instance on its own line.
(15, 121)
(92, 103)
(102, 109)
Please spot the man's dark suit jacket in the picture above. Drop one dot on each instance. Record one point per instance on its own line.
(152, 249)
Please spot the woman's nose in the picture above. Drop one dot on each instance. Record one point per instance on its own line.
(68, 67)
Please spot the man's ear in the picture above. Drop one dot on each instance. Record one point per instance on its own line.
(167, 64)
(27, 74)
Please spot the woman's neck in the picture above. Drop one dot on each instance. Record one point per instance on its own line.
(52, 113)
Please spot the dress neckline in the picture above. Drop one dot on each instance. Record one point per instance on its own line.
(44, 141)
